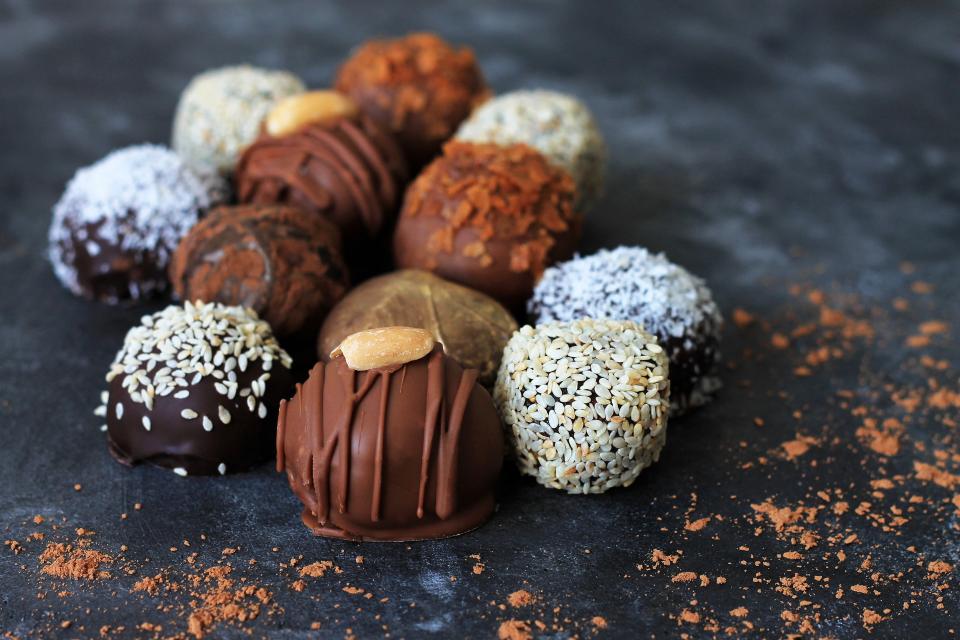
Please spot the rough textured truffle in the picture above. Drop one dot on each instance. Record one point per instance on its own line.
(630, 283)
(585, 402)
(559, 126)
(418, 86)
(195, 388)
(220, 112)
(119, 220)
(404, 452)
(281, 262)
(349, 170)
(472, 327)
(490, 217)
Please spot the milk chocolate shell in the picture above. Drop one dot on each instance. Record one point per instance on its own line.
(472, 327)
(405, 450)
(195, 388)
(282, 262)
(489, 217)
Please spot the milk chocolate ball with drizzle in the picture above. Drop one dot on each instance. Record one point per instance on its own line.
(391, 440)
(195, 388)
(280, 261)
(320, 153)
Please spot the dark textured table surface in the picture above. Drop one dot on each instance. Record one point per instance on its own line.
(804, 157)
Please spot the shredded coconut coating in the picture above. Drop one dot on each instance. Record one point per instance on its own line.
(630, 283)
(220, 112)
(585, 402)
(141, 199)
(559, 126)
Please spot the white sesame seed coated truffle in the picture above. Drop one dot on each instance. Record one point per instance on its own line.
(180, 400)
(630, 283)
(557, 125)
(120, 219)
(220, 112)
(585, 402)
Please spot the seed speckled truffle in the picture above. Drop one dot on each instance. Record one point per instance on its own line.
(119, 221)
(220, 113)
(630, 283)
(585, 402)
(557, 125)
(196, 388)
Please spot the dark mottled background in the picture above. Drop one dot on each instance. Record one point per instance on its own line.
(759, 143)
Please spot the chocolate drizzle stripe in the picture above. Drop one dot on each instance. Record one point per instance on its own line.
(435, 383)
(447, 464)
(378, 455)
(281, 432)
(314, 423)
(354, 174)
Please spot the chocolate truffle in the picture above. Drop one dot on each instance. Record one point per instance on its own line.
(220, 112)
(119, 220)
(419, 87)
(585, 402)
(280, 262)
(630, 283)
(559, 126)
(490, 217)
(391, 440)
(472, 327)
(195, 388)
(345, 167)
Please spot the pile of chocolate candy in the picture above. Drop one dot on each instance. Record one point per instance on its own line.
(392, 230)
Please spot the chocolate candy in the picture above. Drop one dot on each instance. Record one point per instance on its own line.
(120, 219)
(280, 261)
(391, 440)
(585, 402)
(490, 217)
(220, 111)
(630, 283)
(472, 327)
(346, 168)
(419, 87)
(195, 388)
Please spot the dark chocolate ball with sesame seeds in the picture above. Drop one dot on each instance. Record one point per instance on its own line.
(195, 388)
(489, 217)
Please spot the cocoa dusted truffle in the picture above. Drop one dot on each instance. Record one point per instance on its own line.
(195, 388)
(557, 125)
(585, 402)
(120, 219)
(490, 217)
(220, 111)
(472, 327)
(280, 262)
(419, 87)
(391, 440)
(630, 283)
(319, 153)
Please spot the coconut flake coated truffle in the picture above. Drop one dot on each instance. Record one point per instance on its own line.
(391, 440)
(630, 283)
(220, 112)
(195, 388)
(585, 402)
(119, 221)
(557, 125)
(419, 86)
(490, 217)
(282, 262)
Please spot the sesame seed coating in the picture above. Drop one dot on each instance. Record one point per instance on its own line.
(585, 402)
(220, 113)
(630, 283)
(557, 125)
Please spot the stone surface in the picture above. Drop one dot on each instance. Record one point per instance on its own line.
(758, 145)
